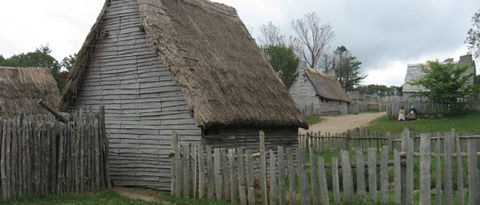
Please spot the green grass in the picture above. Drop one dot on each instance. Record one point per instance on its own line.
(467, 123)
(313, 119)
(93, 198)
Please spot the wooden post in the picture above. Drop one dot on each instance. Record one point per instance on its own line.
(250, 178)
(263, 169)
(273, 179)
(186, 171)
(201, 172)
(347, 175)
(313, 177)
(397, 177)
(281, 176)
(448, 168)
(323, 182)
(241, 177)
(408, 193)
(172, 161)
(335, 182)
(233, 176)
(384, 174)
(425, 190)
(473, 186)
(218, 180)
(291, 178)
(210, 172)
(226, 174)
(438, 171)
(460, 192)
(3, 161)
(361, 190)
(303, 178)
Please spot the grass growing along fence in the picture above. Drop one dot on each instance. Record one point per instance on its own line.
(468, 123)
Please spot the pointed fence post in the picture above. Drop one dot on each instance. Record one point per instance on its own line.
(172, 161)
(263, 169)
(425, 181)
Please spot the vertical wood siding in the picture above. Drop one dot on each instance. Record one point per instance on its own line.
(143, 102)
(305, 96)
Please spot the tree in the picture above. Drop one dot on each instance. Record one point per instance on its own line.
(68, 61)
(347, 68)
(271, 35)
(446, 82)
(281, 56)
(312, 38)
(283, 60)
(380, 90)
(39, 58)
(473, 35)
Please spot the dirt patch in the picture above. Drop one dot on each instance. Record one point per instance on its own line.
(147, 195)
(342, 123)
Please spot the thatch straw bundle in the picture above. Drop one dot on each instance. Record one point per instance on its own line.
(21, 88)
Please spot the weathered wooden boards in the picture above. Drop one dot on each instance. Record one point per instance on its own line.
(40, 156)
(379, 173)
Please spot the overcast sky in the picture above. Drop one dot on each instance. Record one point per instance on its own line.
(385, 35)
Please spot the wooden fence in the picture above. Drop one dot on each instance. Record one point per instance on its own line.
(350, 140)
(295, 177)
(42, 156)
(427, 107)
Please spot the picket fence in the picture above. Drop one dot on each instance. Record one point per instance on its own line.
(350, 140)
(294, 177)
(42, 156)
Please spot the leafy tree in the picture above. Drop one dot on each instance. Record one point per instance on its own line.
(473, 35)
(68, 61)
(39, 58)
(446, 82)
(347, 68)
(312, 39)
(283, 60)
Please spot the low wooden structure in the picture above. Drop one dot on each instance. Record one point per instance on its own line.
(315, 92)
(188, 66)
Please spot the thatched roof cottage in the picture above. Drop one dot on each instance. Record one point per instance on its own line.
(414, 72)
(315, 92)
(21, 88)
(188, 66)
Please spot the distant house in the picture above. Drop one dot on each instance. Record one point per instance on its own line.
(188, 66)
(414, 72)
(317, 93)
(21, 88)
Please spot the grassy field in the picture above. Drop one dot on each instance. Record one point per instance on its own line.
(462, 124)
(313, 119)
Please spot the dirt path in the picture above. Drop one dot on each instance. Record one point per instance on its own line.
(343, 123)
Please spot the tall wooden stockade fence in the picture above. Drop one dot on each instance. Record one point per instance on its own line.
(41, 156)
(427, 107)
(286, 176)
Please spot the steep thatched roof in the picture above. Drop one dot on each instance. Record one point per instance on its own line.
(21, 88)
(226, 78)
(325, 86)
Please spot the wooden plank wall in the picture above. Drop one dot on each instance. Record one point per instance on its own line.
(41, 156)
(143, 102)
(311, 180)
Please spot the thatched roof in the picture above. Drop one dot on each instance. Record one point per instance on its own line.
(21, 88)
(224, 75)
(325, 86)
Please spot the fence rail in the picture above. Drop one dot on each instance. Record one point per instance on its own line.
(41, 156)
(286, 176)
